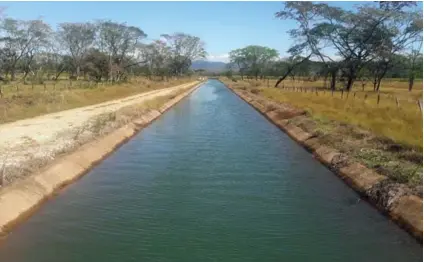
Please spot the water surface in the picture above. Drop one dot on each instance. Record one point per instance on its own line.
(210, 180)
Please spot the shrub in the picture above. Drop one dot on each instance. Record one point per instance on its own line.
(255, 91)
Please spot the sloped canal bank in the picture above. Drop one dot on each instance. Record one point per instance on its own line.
(210, 180)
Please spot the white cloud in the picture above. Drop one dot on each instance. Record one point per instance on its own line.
(218, 58)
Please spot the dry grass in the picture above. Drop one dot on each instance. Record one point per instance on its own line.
(402, 124)
(26, 101)
(402, 164)
(389, 87)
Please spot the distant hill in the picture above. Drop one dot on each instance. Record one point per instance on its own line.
(210, 66)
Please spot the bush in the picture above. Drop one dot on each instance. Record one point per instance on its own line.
(255, 91)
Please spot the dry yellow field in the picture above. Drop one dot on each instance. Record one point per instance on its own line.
(25, 101)
(400, 121)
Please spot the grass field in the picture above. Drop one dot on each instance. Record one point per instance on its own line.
(399, 120)
(21, 101)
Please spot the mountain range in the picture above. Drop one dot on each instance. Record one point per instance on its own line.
(210, 66)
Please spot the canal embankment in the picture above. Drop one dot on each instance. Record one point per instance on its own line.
(399, 201)
(97, 132)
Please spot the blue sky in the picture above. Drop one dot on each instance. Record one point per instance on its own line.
(223, 26)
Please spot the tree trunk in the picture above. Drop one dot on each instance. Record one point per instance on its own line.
(25, 75)
(290, 69)
(78, 72)
(350, 81)
(58, 74)
(375, 83)
(12, 74)
(333, 80)
(325, 81)
(411, 82)
(378, 83)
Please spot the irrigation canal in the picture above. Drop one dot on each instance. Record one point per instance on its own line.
(210, 180)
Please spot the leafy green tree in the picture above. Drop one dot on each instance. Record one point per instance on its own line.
(253, 60)
(359, 36)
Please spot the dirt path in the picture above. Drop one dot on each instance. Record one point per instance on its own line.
(44, 136)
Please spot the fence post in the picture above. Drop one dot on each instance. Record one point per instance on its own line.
(342, 94)
(420, 105)
(378, 98)
(397, 102)
(316, 91)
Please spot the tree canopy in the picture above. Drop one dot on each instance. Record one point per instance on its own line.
(100, 50)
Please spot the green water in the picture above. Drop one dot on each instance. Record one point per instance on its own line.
(211, 180)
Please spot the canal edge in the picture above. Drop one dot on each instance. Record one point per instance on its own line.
(406, 212)
(21, 199)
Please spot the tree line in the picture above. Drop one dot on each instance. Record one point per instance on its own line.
(372, 41)
(101, 51)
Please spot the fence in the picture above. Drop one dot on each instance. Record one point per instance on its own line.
(356, 95)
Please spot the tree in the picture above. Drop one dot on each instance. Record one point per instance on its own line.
(184, 49)
(96, 64)
(415, 56)
(19, 40)
(402, 30)
(120, 42)
(77, 38)
(358, 36)
(237, 59)
(158, 58)
(308, 39)
(415, 62)
(229, 74)
(253, 60)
